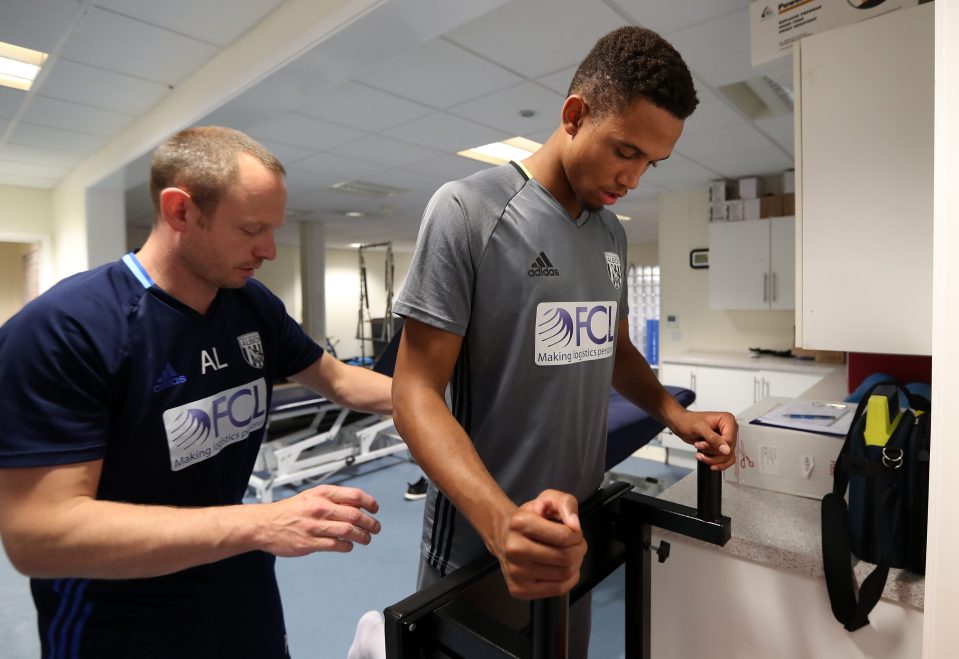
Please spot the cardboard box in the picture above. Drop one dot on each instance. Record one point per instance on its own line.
(751, 209)
(771, 205)
(789, 181)
(750, 187)
(717, 212)
(789, 204)
(734, 210)
(719, 192)
(783, 460)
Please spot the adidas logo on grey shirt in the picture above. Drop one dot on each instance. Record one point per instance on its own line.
(541, 267)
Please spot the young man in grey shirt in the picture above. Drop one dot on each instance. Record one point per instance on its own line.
(516, 301)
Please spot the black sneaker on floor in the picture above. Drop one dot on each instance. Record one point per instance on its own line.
(416, 490)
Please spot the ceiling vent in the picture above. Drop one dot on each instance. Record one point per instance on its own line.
(366, 189)
(759, 98)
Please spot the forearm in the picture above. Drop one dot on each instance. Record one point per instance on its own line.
(637, 383)
(349, 386)
(89, 538)
(446, 453)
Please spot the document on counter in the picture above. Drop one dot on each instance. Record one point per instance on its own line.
(810, 415)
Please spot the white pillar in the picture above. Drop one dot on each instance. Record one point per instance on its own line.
(940, 632)
(106, 221)
(313, 279)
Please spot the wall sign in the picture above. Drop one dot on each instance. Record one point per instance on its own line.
(775, 26)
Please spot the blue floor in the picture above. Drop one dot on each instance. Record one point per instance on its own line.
(325, 594)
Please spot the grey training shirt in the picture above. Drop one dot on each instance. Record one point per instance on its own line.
(537, 296)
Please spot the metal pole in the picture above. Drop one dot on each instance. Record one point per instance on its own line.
(549, 623)
(709, 495)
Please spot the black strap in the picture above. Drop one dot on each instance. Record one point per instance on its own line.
(853, 613)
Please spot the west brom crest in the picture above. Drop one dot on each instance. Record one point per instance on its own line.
(615, 269)
(252, 349)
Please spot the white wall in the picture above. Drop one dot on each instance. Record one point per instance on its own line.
(12, 278)
(282, 276)
(26, 216)
(642, 254)
(683, 225)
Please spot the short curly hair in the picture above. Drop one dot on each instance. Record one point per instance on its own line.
(203, 160)
(632, 62)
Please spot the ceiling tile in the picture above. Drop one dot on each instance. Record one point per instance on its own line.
(299, 130)
(55, 139)
(536, 37)
(363, 107)
(340, 167)
(666, 17)
(711, 113)
(717, 51)
(439, 74)
(287, 153)
(36, 24)
(36, 156)
(559, 81)
(501, 109)
(117, 43)
(749, 162)
(15, 167)
(10, 100)
(218, 22)
(407, 179)
(721, 141)
(46, 111)
(678, 171)
(780, 129)
(70, 81)
(450, 168)
(386, 151)
(444, 132)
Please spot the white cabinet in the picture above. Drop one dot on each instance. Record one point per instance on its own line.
(783, 383)
(864, 184)
(752, 264)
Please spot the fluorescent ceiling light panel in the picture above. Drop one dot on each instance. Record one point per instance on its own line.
(497, 153)
(19, 66)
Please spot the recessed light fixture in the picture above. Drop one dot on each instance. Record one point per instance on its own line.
(354, 213)
(623, 218)
(355, 245)
(19, 66)
(497, 153)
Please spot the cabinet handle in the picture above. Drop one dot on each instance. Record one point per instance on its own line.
(774, 287)
(765, 388)
(692, 381)
(765, 287)
(755, 389)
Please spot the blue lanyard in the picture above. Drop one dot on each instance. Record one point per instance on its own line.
(137, 269)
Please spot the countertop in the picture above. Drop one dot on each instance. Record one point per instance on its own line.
(782, 531)
(745, 360)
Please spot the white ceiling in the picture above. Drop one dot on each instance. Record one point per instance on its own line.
(360, 106)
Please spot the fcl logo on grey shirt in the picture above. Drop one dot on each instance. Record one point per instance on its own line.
(573, 332)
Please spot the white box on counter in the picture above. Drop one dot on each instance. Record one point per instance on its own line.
(751, 209)
(781, 459)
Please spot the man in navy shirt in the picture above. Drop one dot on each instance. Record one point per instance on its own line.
(135, 397)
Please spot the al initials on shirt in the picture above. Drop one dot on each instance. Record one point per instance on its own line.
(211, 361)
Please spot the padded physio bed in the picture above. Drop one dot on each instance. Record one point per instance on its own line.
(630, 428)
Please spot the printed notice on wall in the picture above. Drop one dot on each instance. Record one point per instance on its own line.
(775, 26)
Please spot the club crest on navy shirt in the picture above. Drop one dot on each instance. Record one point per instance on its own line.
(252, 349)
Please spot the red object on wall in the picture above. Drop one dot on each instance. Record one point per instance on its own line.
(905, 368)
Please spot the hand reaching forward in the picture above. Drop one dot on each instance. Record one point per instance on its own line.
(543, 546)
(714, 435)
(323, 518)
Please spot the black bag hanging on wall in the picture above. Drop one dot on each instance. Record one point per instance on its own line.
(885, 521)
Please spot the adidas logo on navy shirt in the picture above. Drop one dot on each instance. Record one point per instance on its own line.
(168, 378)
(541, 267)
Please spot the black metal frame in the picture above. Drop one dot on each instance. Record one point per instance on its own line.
(438, 622)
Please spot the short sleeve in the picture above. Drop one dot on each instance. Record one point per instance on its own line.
(54, 390)
(439, 287)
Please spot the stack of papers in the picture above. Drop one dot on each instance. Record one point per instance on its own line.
(811, 416)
